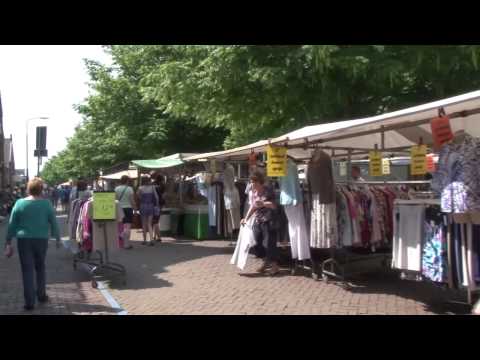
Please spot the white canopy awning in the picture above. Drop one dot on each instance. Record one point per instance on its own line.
(132, 174)
(402, 129)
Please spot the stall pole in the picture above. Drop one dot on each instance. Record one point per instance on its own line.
(349, 166)
(382, 145)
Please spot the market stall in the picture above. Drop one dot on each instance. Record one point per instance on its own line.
(449, 126)
(184, 211)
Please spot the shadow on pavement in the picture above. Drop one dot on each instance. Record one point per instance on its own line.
(387, 282)
(59, 308)
(145, 264)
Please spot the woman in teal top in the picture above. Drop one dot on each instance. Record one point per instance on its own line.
(30, 222)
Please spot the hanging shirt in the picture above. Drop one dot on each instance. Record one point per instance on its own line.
(320, 177)
(290, 192)
(231, 196)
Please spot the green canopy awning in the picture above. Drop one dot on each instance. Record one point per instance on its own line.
(162, 163)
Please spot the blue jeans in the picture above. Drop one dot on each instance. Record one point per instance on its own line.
(32, 253)
(265, 233)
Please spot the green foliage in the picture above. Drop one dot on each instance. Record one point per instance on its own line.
(161, 99)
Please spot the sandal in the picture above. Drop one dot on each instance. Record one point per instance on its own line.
(151, 243)
(144, 243)
(274, 270)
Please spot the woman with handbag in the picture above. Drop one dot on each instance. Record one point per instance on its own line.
(149, 204)
(126, 198)
(264, 210)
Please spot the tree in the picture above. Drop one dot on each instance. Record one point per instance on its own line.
(263, 91)
(160, 99)
(120, 125)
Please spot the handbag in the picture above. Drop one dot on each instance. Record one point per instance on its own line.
(136, 221)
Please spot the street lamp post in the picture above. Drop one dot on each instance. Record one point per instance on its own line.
(26, 138)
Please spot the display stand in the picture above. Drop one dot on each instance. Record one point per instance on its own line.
(466, 246)
(107, 268)
(312, 268)
(104, 211)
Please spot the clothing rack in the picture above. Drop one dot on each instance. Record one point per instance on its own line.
(98, 262)
(470, 288)
(102, 267)
(387, 182)
(340, 259)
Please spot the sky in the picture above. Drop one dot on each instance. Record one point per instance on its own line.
(43, 81)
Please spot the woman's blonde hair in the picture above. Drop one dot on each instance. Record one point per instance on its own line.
(35, 186)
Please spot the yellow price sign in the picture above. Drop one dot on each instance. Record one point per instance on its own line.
(343, 168)
(386, 167)
(375, 163)
(104, 207)
(276, 161)
(418, 164)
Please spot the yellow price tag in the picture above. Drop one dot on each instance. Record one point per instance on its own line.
(386, 167)
(418, 164)
(276, 161)
(104, 207)
(375, 163)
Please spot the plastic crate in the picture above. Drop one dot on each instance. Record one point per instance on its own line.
(195, 225)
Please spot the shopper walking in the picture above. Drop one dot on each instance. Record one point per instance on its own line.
(149, 204)
(160, 189)
(263, 208)
(126, 199)
(30, 222)
(55, 196)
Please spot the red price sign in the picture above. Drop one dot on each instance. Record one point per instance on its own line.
(441, 131)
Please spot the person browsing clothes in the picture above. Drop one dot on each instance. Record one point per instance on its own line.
(263, 208)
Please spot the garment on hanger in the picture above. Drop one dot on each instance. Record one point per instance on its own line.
(323, 225)
(434, 256)
(212, 205)
(323, 218)
(73, 218)
(476, 252)
(290, 192)
(97, 231)
(231, 195)
(85, 231)
(457, 174)
(297, 231)
(241, 187)
(344, 220)
(291, 198)
(408, 235)
(231, 198)
(320, 177)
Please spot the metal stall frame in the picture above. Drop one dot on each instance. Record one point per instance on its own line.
(332, 267)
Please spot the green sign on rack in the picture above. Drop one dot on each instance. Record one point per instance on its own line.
(104, 207)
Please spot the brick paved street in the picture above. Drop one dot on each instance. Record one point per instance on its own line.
(191, 277)
(185, 277)
(69, 291)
